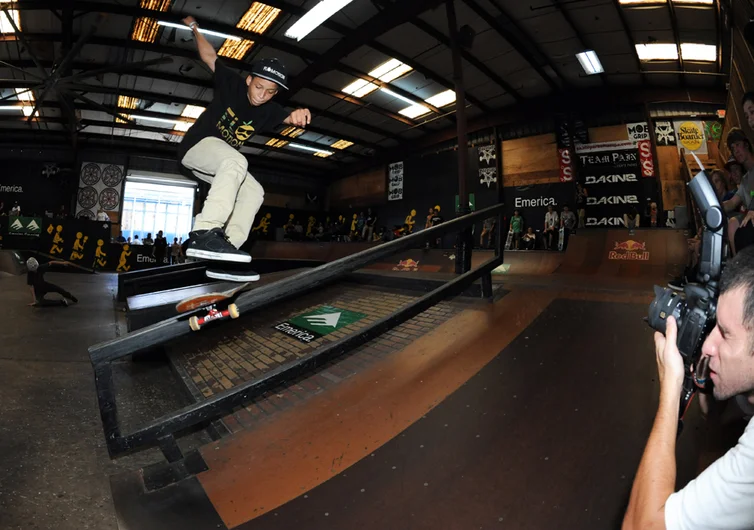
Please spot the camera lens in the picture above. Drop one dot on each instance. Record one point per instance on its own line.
(666, 303)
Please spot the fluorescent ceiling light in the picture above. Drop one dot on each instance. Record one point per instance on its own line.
(698, 52)
(159, 120)
(643, 1)
(386, 72)
(203, 31)
(274, 142)
(5, 26)
(257, 19)
(342, 144)
(590, 62)
(183, 126)
(414, 111)
(24, 94)
(192, 111)
(396, 95)
(312, 149)
(27, 110)
(442, 99)
(10, 108)
(707, 2)
(292, 131)
(657, 51)
(316, 16)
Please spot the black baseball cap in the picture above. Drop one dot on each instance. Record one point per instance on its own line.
(271, 70)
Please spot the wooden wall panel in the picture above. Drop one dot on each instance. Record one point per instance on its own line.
(669, 163)
(673, 194)
(531, 160)
(612, 133)
(357, 190)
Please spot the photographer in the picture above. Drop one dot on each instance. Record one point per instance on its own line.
(722, 496)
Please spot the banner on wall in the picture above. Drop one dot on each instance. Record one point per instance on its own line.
(612, 178)
(80, 241)
(638, 131)
(566, 165)
(645, 158)
(487, 155)
(665, 133)
(24, 226)
(100, 186)
(395, 181)
(690, 135)
(532, 201)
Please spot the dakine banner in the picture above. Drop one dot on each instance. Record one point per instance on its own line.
(532, 201)
(611, 173)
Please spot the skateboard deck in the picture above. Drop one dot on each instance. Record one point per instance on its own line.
(509, 241)
(211, 301)
(561, 238)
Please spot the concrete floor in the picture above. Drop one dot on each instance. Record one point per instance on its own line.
(53, 460)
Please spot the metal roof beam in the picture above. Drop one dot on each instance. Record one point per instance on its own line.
(513, 40)
(630, 37)
(584, 45)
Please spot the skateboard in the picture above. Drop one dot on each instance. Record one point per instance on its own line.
(211, 301)
(509, 241)
(561, 238)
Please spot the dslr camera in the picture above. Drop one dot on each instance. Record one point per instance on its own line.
(695, 309)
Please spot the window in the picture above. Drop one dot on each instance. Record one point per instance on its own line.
(150, 207)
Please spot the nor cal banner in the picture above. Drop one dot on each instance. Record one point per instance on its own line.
(611, 175)
(24, 226)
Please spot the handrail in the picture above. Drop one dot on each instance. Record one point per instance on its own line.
(162, 431)
(175, 327)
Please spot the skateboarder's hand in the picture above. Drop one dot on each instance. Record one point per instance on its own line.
(188, 20)
(300, 118)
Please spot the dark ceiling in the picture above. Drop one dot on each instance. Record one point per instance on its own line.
(86, 61)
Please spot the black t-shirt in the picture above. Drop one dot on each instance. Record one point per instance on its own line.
(436, 219)
(371, 219)
(37, 277)
(160, 243)
(230, 116)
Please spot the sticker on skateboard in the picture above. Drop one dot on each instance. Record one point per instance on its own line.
(211, 301)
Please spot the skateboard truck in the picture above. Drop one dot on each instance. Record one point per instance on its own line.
(212, 315)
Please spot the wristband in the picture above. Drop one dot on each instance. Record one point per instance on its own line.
(192, 25)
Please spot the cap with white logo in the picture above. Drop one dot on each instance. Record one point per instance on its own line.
(272, 70)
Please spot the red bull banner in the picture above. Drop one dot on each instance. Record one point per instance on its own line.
(629, 250)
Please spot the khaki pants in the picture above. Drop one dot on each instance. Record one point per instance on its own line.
(234, 196)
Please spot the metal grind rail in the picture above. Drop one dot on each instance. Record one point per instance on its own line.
(162, 431)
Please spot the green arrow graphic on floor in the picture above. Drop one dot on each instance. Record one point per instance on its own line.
(318, 322)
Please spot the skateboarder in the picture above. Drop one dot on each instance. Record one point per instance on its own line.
(239, 109)
(39, 287)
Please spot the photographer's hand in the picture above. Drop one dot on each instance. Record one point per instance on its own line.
(669, 361)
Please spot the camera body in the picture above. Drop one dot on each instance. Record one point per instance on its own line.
(695, 311)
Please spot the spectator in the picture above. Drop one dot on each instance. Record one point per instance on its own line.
(2, 208)
(16, 210)
(436, 220)
(488, 229)
(137, 241)
(530, 239)
(148, 240)
(581, 195)
(719, 184)
(175, 252)
(120, 238)
(160, 246)
(102, 215)
(428, 224)
(369, 222)
(516, 228)
(568, 223)
(551, 227)
(738, 207)
(631, 219)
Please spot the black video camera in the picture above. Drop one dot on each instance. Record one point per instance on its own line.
(695, 310)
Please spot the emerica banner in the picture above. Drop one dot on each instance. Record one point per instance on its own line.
(612, 177)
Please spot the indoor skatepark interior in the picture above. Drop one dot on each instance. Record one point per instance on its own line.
(422, 351)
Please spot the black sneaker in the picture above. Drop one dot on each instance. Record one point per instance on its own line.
(232, 275)
(64, 302)
(214, 245)
(74, 299)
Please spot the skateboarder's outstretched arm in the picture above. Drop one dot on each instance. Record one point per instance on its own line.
(206, 51)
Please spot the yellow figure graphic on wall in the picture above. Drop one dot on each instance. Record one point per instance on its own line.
(410, 221)
(78, 246)
(122, 267)
(264, 222)
(310, 226)
(99, 254)
(57, 241)
(49, 229)
(353, 224)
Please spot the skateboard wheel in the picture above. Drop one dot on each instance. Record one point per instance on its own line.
(194, 323)
(233, 311)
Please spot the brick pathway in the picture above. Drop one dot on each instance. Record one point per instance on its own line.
(245, 349)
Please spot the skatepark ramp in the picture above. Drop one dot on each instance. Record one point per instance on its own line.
(162, 431)
(11, 263)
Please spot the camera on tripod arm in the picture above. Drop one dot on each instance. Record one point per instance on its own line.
(695, 310)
